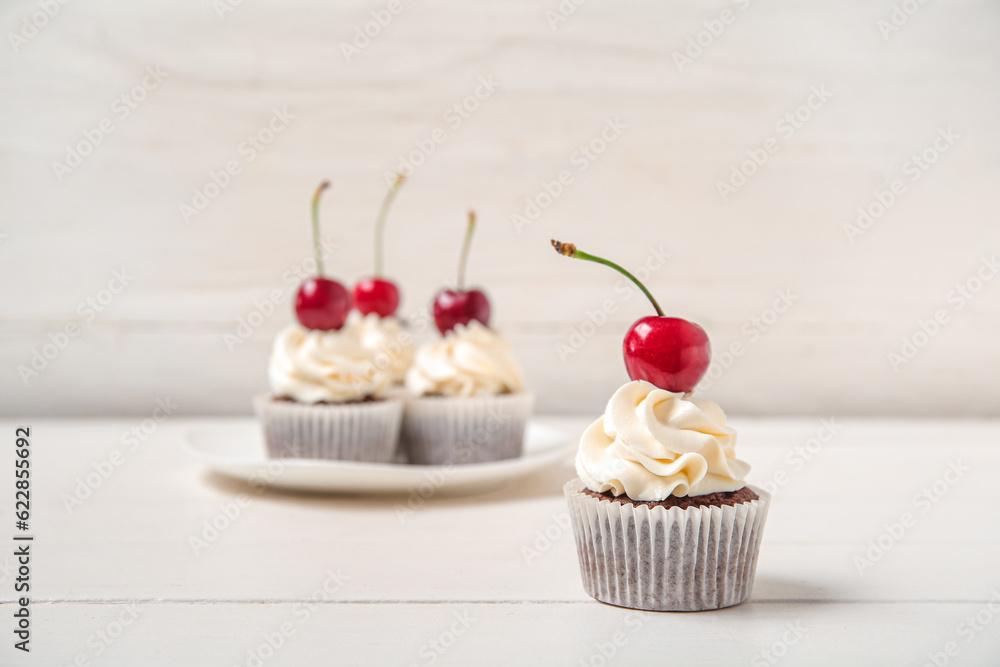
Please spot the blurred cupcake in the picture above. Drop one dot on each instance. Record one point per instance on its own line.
(662, 516)
(468, 403)
(328, 399)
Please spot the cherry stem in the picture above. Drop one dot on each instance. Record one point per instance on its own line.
(570, 250)
(464, 258)
(383, 212)
(315, 215)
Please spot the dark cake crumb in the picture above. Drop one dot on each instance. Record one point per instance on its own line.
(288, 399)
(718, 499)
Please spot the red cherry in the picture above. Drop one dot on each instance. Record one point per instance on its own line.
(669, 352)
(461, 306)
(322, 304)
(376, 295)
(453, 307)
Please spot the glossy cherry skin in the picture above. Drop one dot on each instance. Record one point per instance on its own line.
(322, 304)
(460, 307)
(669, 352)
(375, 295)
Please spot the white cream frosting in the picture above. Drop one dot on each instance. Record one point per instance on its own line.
(471, 360)
(651, 444)
(390, 346)
(312, 366)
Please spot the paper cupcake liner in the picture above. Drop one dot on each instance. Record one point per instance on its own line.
(667, 559)
(345, 432)
(442, 430)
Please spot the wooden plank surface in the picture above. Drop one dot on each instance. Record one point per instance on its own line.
(505, 557)
(455, 633)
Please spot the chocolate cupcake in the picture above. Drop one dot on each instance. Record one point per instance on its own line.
(467, 401)
(662, 517)
(328, 399)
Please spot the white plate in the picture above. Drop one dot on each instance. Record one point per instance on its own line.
(238, 451)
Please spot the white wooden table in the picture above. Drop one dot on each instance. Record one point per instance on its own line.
(493, 578)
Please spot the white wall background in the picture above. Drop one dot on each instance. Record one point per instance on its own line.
(656, 185)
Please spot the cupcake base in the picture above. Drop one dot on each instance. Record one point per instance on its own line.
(364, 431)
(443, 430)
(658, 559)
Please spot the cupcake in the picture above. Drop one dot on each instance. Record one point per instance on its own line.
(467, 401)
(326, 401)
(662, 516)
(328, 397)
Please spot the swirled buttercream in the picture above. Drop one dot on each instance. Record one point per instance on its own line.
(390, 346)
(471, 360)
(315, 366)
(652, 443)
